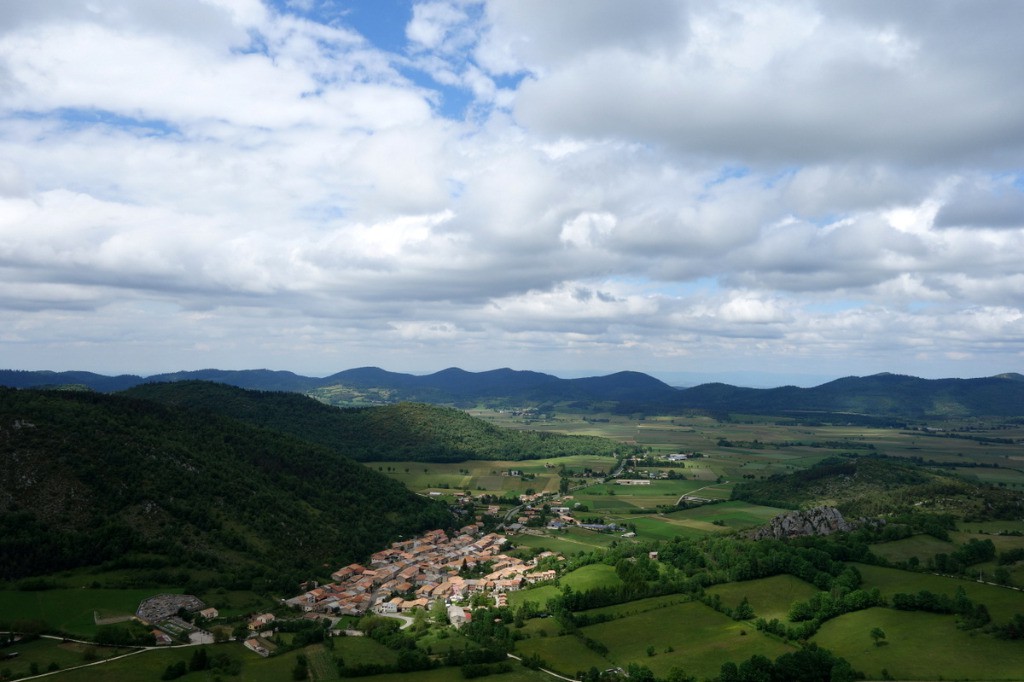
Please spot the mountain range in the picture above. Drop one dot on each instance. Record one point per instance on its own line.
(888, 396)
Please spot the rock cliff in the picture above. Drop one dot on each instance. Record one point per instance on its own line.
(816, 521)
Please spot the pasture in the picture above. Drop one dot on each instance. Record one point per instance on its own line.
(920, 546)
(72, 611)
(919, 646)
(690, 635)
(489, 476)
(769, 597)
(1002, 602)
(582, 579)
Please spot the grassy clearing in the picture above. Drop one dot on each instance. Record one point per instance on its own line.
(921, 546)
(1002, 603)
(769, 597)
(920, 646)
(488, 476)
(363, 650)
(581, 580)
(690, 636)
(568, 541)
(565, 654)
(72, 611)
(639, 606)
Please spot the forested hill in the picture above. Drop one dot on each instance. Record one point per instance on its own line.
(406, 431)
(87, 478)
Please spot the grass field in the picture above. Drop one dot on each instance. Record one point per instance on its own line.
(489, 477)
(920, 646)
(565, 654)
(569, 541)
(769, 597)
(582, 579)
(71, 611)
(921, 546)
(691, 636)
(1002, 603)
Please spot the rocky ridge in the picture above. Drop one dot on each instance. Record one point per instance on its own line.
(814, 521)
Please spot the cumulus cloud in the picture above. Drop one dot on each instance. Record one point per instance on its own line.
(629, 186)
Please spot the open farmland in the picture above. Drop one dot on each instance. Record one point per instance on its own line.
(919, 646)
(769, 597)
(690, 635)
(489, 477)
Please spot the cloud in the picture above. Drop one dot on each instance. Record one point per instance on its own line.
(627, 186)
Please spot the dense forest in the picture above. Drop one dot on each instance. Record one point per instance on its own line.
(87, 478)
(406, 431)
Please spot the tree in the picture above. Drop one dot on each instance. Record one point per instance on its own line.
(744, 611)
(439, 612)
(878, 634)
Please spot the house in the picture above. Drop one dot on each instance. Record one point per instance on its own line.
(261, 621)
(259, 646)
(457, 615)
(210, 613)
(162, 638)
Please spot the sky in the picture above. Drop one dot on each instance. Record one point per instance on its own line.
(787, 190)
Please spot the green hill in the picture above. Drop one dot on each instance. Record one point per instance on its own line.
(868, 486)
(405, 431)
(87, 478)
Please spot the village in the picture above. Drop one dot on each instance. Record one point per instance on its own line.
(417, 572)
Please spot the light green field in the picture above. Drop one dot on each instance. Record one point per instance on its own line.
(363, 650)
(481, 476)
(769, 597)
(1002, 603)
(639, 606)
(565, 654)
(569, 541)
(921, 546)
(72, 611)
(920, 646)
(701, 639)
(582, 579)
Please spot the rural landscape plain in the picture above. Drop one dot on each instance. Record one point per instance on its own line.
(512, 340)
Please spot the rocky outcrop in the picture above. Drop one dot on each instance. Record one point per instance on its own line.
(816, 521)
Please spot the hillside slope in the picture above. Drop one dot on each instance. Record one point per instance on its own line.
(406, 431)
(86, 478)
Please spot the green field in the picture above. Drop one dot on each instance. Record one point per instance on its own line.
(1002, 603)
(582, 579)
(72, 611)
(920, 546)
(488, 477)
(769, 597)
(565, 654)
(920, 646)
(700, 639)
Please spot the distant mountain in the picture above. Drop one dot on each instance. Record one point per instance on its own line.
(255, 379)
(87, 478)
(881, 395)
(886, 397)
(404, 431)
(97, 382)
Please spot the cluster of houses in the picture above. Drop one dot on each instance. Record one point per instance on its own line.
(414, 573)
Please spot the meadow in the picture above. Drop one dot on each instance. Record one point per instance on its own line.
(919, 646)
(689, 635)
